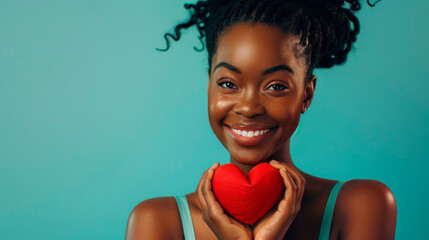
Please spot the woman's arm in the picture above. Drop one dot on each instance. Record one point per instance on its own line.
(368, 211)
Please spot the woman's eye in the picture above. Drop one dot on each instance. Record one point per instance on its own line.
(277, 86)
(227, 84)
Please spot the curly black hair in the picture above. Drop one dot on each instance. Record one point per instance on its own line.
(327, 28)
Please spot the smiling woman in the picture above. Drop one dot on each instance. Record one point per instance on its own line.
(266, 93)
(261, 60)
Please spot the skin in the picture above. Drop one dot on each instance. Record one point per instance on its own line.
(364, 209)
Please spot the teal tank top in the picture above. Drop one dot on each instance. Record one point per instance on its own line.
(188, 228)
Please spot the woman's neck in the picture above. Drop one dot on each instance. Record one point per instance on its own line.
(283, 155)
(312, 183)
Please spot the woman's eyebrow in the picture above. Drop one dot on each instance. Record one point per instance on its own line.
(265, 72)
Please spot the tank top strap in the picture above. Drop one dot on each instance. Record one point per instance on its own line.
(329, 212)
(185, 216)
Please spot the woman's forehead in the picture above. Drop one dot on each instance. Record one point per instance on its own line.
(254, 46)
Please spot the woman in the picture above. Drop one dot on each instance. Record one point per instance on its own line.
(261, 56)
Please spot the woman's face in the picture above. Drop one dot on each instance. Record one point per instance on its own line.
(256, 91)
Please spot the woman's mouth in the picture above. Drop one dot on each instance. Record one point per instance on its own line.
(249, 137)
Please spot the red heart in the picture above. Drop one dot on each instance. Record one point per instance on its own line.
(247, 198)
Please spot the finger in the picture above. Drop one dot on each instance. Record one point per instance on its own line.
(286, 206)
(298, 179)
(288, 168)
(200, 196)
(202, 188)
(215, 166)
(279, 165)
(299, 182)
(200, 184)
(213, 206)
(290, 194)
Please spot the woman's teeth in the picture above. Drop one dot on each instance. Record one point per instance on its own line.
(250, 133)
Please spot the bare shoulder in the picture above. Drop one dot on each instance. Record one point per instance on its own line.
(360, 191)
(156, 218)
(367, 210)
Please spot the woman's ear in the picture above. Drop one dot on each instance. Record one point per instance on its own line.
(309, 89)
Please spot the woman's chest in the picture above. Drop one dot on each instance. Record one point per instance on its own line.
(306, 225)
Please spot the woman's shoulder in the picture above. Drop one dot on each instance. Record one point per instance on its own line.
(155, 218)
(360, 191)
(365, 206)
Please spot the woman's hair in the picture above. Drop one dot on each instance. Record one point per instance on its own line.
(326, 28)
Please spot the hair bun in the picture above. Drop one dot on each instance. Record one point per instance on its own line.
(328, 28)
(216, 4)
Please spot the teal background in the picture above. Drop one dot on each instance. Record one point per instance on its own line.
(94, 120)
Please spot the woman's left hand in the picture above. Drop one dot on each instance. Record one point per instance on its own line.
(277, 221)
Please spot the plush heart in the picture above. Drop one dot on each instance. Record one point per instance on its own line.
(247, 198)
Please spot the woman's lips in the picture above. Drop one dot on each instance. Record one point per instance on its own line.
(249, 137)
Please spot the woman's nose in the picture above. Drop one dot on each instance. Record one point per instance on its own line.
(249, 104)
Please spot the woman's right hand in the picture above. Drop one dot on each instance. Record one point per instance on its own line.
(223, 226)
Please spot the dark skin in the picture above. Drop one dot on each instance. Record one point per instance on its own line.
(242, 94)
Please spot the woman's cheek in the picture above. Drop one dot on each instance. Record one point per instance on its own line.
(219, 106)
(287, 117)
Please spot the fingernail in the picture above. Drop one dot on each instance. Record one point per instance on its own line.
(274, 161)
